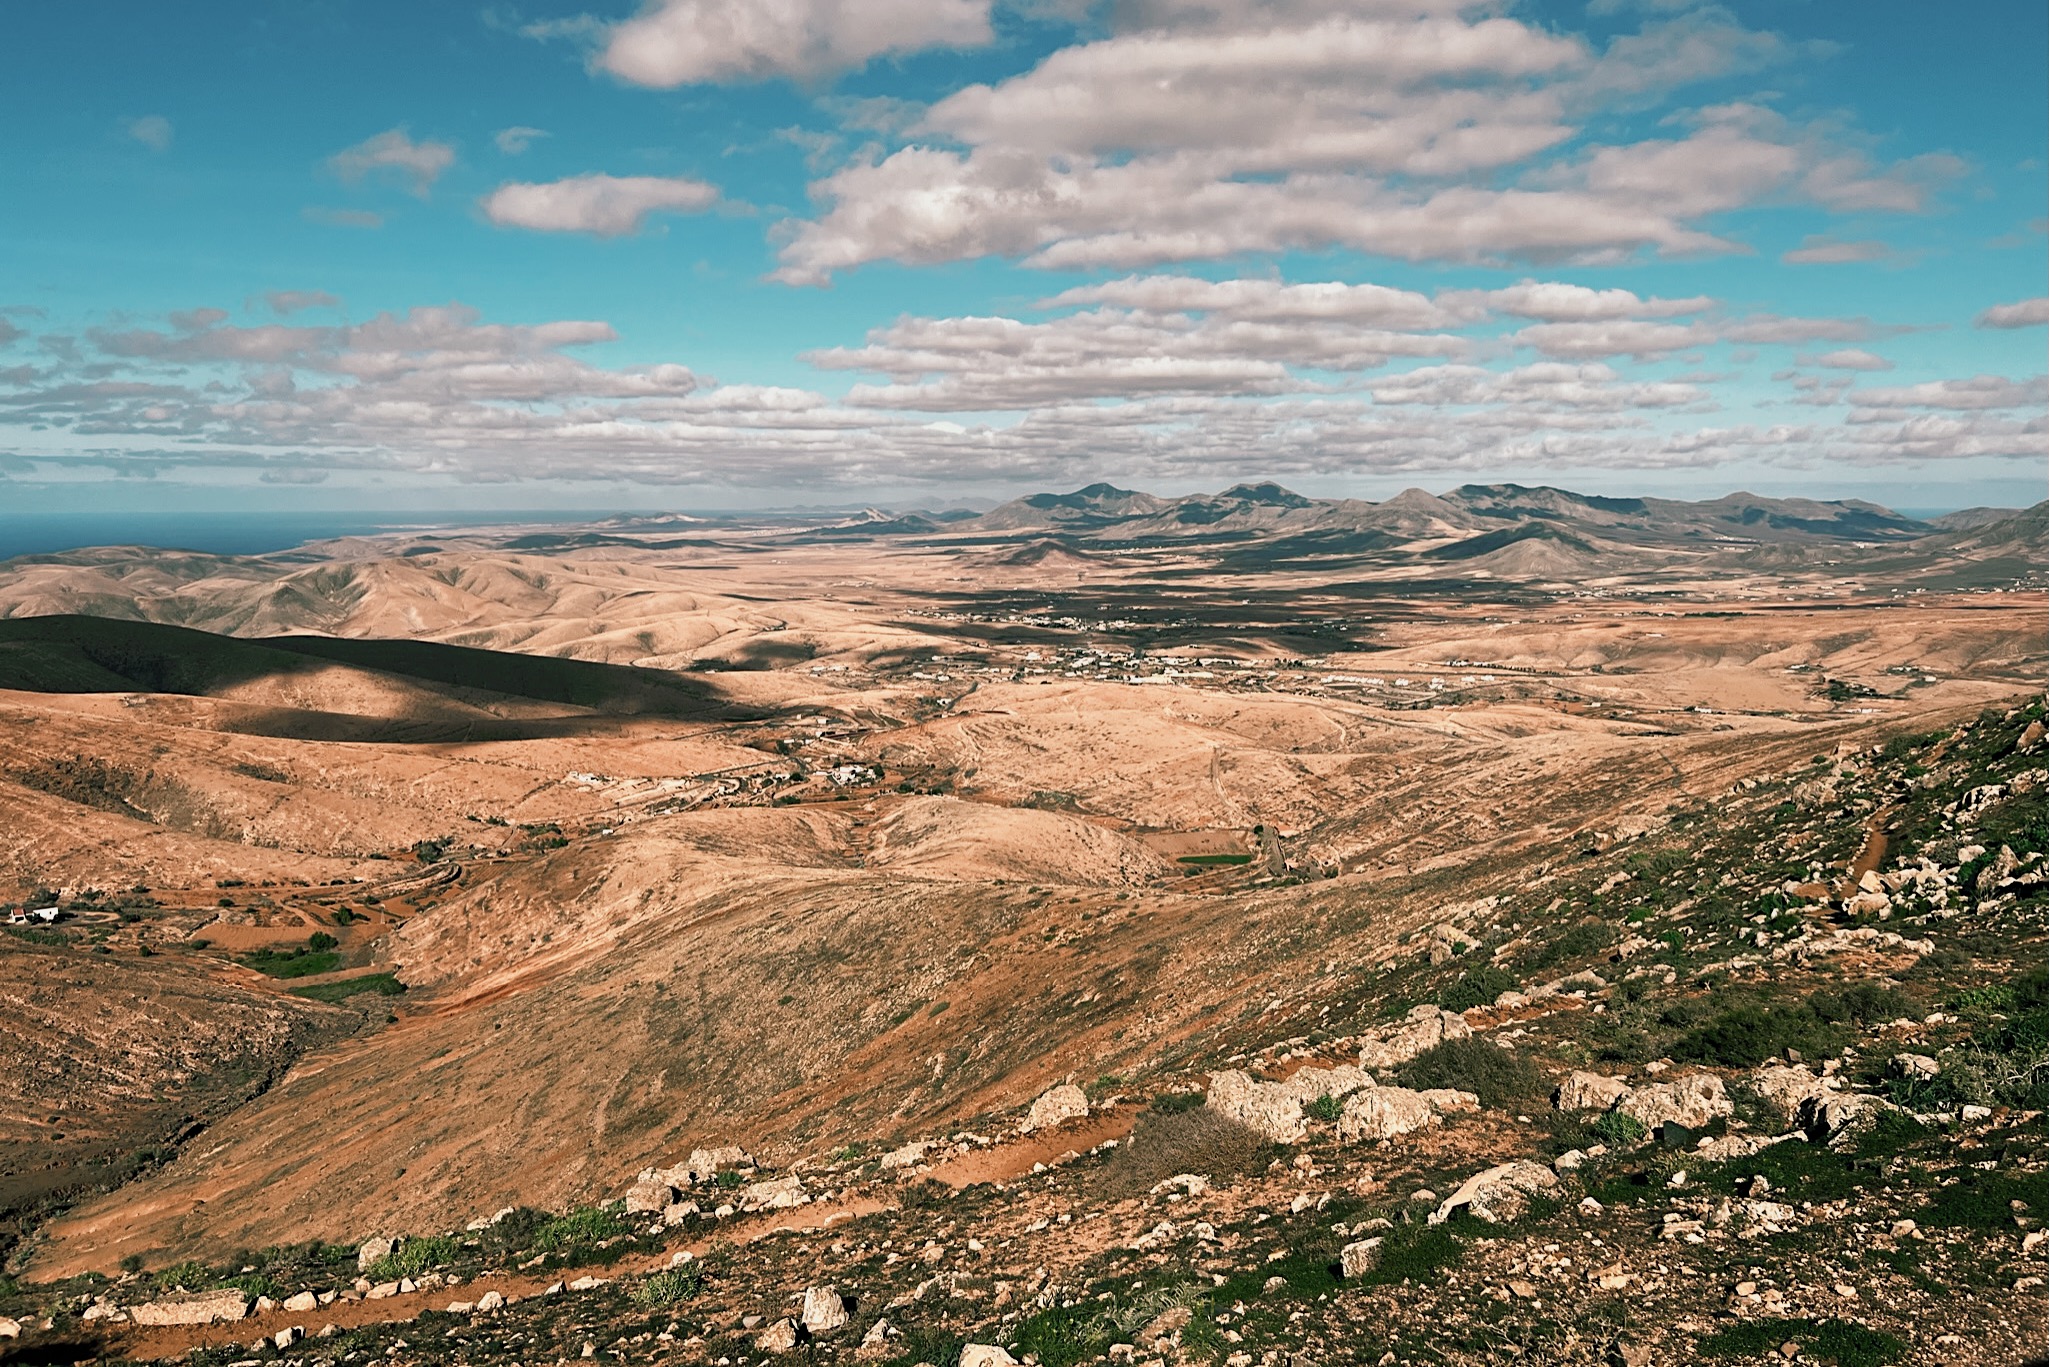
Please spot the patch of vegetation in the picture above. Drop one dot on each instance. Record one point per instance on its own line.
(670, 1286)
(1749, 1034)
(1986, 1201)
(1213, 860)
(293, 963)
(1325, 1107)
(579, 1229)
(379, 984)
(1165, 1143)
(1173, 1103)
(1496, 1075)
(1840, 1341)
(1477, 987)
(1619, 1131)
(413, 1257)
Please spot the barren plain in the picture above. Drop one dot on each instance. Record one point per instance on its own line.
(403, 883)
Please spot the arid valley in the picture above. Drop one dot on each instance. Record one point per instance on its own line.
(1238, 929)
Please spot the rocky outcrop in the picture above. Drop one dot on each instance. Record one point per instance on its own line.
(1311, 1084)
(207, 1307)
(1498, 1195)
(779, 1193)
(1589, 1092)
(1693, 1101)
(1426, 1028)
(1261, 1106)
(1784, 1089)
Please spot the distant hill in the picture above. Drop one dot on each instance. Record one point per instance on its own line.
(1104, 512)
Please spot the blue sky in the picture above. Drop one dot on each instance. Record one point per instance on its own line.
(706, 253)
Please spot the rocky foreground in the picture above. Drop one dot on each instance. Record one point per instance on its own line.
(1766, 1083)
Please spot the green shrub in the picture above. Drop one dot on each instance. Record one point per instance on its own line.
(1847, 1344)
(579, 1228)
(1173, 1103)
(413, 1257)
(1477, 987)
(669, 1286)
(1490, 1072)
(1325, 1107)
(320, 941)
(1619, 1131)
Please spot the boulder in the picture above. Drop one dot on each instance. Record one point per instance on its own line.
(286, 1337)
(1355, 1260)
(1916, 1067)
(779, 1193)
(302, 1302)
(9, 1329)
(1837, 1118)
(1498, 1195)
(985, 1355)
(1694, 1102)
(1309, 1084)
(1384, 1113)
(490, 1301)
(1055, 1106)
(1426, 1028)
(779, 1337)
(909, 1156)
(649, 1196)
(876, 1342)
(824, 1311)
(208, 1307)
(1589, 1092)
(1258, 1106)
(1449, 1100)
(1786, 1088)
(375, 1250)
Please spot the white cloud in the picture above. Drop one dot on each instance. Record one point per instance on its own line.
(1268, 301)
(1817, 250)
(514, 141)
(1852, 358)
(1557, 302)
(152, 131)
(2024, 313)
(394, 151)
(607, 206)
(1423, 132)
(683, 42)
(1586, 341)
(1978, 392)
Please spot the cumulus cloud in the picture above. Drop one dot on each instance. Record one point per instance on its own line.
(2024, 313)
(1977, 392)
(152, 131)
(606, 206)
(1818, 250)
(1554, 301)
(10, 333)
(514, 141)
(684, 42)
(1612, 338)
(1852, 358)
(395, 153)
(1423, 132)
